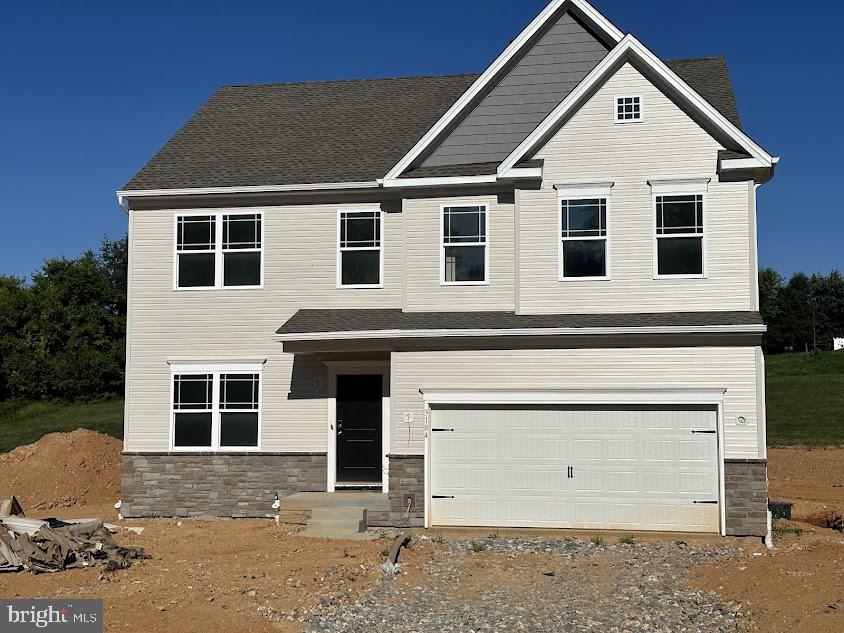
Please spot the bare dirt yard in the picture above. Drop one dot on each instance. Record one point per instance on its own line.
(251, 575)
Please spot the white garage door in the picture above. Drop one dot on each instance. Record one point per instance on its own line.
(622, 468)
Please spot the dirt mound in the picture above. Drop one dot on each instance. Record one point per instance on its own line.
(63, 470)
(812, 478)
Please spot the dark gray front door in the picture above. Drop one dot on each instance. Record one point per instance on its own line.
(359, 428)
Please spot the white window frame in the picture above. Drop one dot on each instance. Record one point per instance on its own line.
(216, 370)
(218, 250)
(485, 243)
(690, 187)
(379, 248)
(581, 192)
(621, 121)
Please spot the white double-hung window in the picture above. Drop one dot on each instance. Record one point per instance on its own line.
(360, 257)
(216, 408)
(464, 255)
(679, 237)
(584, 248)
(219, 250)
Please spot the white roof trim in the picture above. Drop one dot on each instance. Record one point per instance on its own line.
(521, 172)
(575, 396)
(745, 163)
(198, 191)
(630, 45)
(481, 82)
(440, 180)
(596, 189)
(560, 331)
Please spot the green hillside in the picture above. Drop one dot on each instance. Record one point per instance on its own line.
(25, 423)
(806, 399)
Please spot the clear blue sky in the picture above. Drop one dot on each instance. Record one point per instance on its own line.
(90, 90)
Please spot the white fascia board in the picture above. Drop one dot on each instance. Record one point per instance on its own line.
(679, 187)
(199, 191)
(745, 163)
(494, 68)
(562, 331)
(594, 189)
(440, 181)
(517, 173)
(575, 396)
(629, 45)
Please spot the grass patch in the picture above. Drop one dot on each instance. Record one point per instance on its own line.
(27, 422)
(477, 546)
(805, 399)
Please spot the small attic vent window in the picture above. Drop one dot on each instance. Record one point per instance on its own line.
(628, 109)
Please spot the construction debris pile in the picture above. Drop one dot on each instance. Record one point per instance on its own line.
(51, 545)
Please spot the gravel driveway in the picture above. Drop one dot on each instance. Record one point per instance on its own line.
(555, 586)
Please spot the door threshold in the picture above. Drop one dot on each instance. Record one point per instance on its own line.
(358, 485)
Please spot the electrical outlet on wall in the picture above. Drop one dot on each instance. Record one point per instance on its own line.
(409, 501)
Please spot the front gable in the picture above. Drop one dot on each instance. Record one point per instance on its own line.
(532, 87)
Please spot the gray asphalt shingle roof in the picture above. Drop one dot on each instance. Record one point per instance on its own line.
(333, 131)
(366, 320)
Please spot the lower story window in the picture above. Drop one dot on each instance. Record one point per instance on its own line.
(216, 410)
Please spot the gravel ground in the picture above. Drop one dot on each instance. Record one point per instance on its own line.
(555, 586)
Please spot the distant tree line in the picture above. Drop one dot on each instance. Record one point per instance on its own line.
(804, 313)
(63, 334)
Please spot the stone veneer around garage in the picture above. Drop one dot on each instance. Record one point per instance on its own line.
(746, 490)
(216, 484)
(407, 477)
(244, 485)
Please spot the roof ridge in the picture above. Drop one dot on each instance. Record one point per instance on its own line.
(335, 81)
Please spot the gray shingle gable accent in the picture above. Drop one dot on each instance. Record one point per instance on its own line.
(366, 320)
(520, 100)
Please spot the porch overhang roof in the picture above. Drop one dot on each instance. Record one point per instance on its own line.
(362, 324)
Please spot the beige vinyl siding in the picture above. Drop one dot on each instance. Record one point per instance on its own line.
(667, 145)
(300, 249)
(423, 290)
(733, 368)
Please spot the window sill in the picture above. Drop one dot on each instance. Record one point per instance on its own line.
(464, 283)
(669, 277)
(216, 288)
(574, 279)
(206, 450)
(361, 287)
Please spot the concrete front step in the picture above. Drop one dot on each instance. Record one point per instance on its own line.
(308, 501)
(336, 522)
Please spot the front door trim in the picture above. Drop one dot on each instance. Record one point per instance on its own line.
(598, 397)
(336, 368)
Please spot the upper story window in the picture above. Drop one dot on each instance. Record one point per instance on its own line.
(219, 250)
(216, 409)
(628, 109)
(465, 247)
(359, 250)
(679, 249)
(583, 239)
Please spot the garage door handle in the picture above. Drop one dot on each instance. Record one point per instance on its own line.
(442, 430)
(706, 502)
(442, 496)
(570, 472)
(713, 432)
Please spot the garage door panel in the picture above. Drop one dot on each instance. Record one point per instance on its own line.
(632, 468)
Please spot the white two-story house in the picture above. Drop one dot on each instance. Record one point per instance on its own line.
(521, 298)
